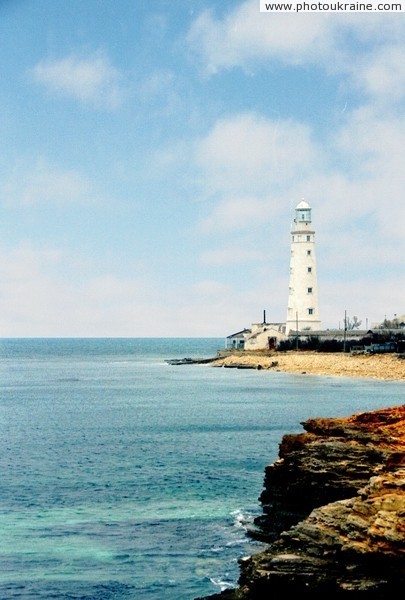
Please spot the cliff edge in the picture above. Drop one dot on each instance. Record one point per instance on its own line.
(333, 513)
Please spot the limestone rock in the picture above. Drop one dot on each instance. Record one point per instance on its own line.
(333, 512)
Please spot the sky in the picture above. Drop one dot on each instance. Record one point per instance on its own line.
(153, 153)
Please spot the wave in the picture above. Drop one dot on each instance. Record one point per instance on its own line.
(222, 584)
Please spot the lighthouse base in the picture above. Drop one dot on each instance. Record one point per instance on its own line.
(292, 326)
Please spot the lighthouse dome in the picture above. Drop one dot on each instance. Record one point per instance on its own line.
(303, 204)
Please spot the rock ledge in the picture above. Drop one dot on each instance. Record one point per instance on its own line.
(333, 513)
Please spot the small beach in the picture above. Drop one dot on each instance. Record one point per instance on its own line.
(376, 366)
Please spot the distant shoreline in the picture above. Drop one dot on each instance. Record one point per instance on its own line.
(388, 367)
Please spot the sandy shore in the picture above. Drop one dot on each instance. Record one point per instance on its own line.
(377, 366)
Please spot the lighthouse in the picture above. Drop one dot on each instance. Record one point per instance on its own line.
(302, 313)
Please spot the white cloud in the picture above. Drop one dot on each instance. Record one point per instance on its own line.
(209, 288)
(250, 153)
(92, 80)
(24, 262)
(369, 50)
(382, 73)
(43, 294)
(39, 299)
(245, 36)
(231, 255)
(157, 83)
(43, 183)
(373, 145)
(360, 297)
(233, 214)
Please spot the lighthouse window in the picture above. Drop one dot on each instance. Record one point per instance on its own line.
(308, 238)
(308, 252)
(309, 269)
(309, 290)
(310, 311)
(303, 216)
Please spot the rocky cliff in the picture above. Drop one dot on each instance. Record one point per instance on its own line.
(333, 513)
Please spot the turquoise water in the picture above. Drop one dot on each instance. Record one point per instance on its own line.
(124, 477)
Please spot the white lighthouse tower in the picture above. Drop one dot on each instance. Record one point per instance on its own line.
(303, 289)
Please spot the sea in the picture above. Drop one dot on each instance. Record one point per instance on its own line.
(124, 477)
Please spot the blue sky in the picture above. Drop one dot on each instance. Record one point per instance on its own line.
(152, 155)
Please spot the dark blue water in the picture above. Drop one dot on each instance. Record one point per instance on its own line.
(124, 477)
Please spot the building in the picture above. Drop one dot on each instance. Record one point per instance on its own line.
(302, 311)
(236, 341)
(303, 323)
(265, 336)
(261, 336)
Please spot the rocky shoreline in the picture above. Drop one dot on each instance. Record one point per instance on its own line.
(333, 513)
(375, 366)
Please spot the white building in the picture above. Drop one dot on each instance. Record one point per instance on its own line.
(303, 321)
(236, 341)
(265, 336)
(302, 312)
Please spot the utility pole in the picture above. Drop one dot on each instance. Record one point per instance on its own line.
(344, 334)
(296, 329)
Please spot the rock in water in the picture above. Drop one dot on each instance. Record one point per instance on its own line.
(333, 513)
